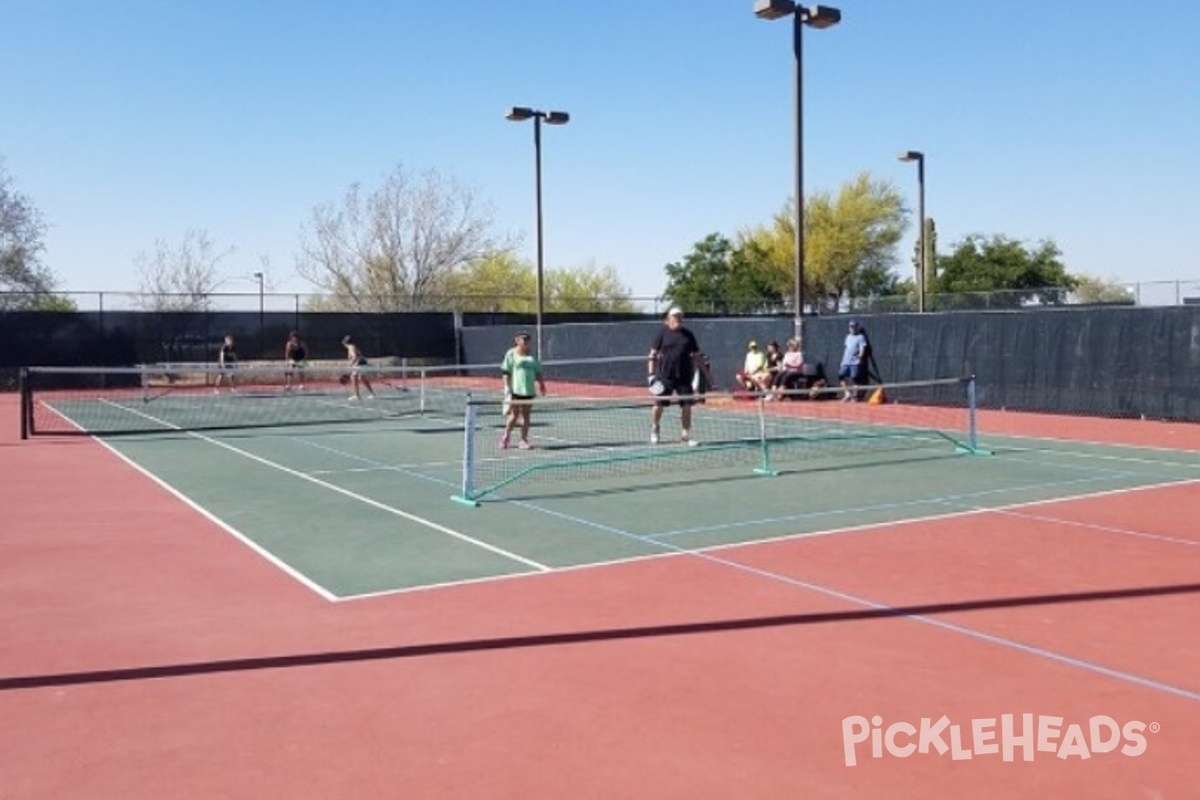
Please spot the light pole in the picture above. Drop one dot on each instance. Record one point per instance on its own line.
(922, 258)
(262, 335)
(520, 114)
(814, 17)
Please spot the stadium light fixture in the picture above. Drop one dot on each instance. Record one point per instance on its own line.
(819, 17)
(520, 114)
(922, 257)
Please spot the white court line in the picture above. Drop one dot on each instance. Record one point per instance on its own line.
(354, 495)
(863, 528)
(708, 554)
(1155, 537)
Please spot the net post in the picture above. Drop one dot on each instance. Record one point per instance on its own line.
(422, 374)
(971, 421)
(467, 495)
(26, 405)
(764, 446)
(972, 445)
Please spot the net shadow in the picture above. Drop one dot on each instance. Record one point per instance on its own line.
(579, 637)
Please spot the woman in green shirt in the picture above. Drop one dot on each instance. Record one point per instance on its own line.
(522, 382)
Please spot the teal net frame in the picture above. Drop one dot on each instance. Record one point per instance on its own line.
(773, 437)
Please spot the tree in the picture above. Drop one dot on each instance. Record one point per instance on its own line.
(395, 248)
(1012, 274)
(25, 280)
(585, 289)
(721, 277)
(180, 278)
(1090, 289)
(499, 281)
(849, 243)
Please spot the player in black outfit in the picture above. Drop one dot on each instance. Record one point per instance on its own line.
(675, 358)
(295, 356)
(227, 360)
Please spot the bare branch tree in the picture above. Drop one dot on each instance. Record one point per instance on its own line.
(395, 248)
(181, 278)
(21, 246)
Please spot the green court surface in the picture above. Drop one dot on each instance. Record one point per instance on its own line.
(353, 509)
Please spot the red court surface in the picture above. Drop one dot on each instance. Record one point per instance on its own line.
(145, 653)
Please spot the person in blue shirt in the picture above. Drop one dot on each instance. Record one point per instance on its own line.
(856, 355)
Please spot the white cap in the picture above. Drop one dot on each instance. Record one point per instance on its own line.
(675, 311)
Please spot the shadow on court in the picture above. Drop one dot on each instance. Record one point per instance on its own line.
(581, 637)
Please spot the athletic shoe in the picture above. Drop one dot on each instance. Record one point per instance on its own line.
(653, 437)
(688, 440)
(524, 445)
(503, 442)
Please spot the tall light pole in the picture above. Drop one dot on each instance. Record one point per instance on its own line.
(814, 17)
(262, 335)
(922, 258)
(520, 114)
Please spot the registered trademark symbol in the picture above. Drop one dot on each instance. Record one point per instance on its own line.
(1155, 727)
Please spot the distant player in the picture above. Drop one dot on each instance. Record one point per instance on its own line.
(226, 362)
(675, 358)
(357, 361)
(522, 379)
(295, 356)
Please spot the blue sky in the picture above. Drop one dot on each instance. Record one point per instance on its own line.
(127, 121)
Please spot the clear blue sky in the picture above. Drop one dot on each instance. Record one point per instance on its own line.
(127, 121)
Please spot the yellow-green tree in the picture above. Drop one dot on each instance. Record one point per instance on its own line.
(849, 242)
(499, 281)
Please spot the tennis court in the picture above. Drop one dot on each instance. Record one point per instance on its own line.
(305, 604)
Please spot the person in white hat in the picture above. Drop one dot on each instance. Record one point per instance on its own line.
(674, 360)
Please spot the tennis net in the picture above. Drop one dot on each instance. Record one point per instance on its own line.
(171, 397)
(582, 438)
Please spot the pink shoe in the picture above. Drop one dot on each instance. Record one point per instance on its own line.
(503, 442)
(524, 445)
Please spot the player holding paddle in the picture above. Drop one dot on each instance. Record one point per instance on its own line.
(357, 361)
(522, 379)
(295, 355)
(675, 358)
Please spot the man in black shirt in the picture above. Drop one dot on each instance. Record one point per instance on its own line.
(674, 359)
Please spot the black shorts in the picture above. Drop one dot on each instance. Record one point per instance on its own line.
(676, 387)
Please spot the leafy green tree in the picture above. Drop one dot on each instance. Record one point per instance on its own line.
(585, 289)
(849, 248)
(721, 277)
(499, 281)
(1011, 272)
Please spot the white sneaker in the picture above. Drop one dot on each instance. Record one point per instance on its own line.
(688, 440)
(653, 437)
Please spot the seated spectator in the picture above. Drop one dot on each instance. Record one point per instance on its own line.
(774, 360)
(790, 374)
(755, 376)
